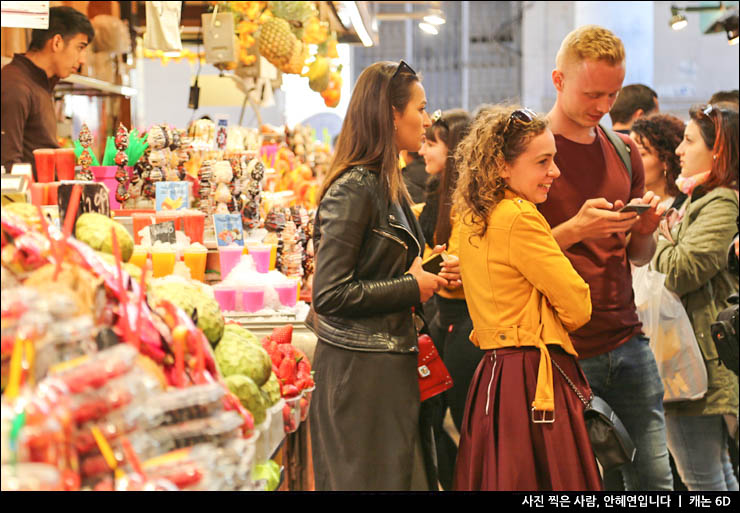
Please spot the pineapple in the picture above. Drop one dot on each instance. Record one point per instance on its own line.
(277, 43)
(297, 60)
(297, 13)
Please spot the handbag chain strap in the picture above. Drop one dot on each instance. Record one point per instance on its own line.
(573, 386)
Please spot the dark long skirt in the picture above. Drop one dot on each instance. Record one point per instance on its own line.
(502, 449)
(365, 421)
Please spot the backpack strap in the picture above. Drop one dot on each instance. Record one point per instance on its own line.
(623, 150)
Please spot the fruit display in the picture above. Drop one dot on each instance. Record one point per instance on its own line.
(115, 374)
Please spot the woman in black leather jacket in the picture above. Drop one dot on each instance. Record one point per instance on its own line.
(367, 285)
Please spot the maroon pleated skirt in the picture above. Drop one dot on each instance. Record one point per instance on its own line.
(502, 449)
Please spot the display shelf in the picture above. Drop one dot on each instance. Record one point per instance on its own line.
(79, 84)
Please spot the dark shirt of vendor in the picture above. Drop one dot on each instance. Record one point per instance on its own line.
(28, 117)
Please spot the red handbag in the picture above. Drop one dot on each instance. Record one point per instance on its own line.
(434, 378)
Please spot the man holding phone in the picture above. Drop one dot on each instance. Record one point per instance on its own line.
(584, 208)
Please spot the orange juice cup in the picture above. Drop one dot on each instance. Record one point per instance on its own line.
(195, 259)
(139, 257)
(163, 262)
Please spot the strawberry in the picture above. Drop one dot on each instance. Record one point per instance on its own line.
(283, 334)
(276, 358)
(287, 371)
(265, 343)
(304, 366)
(290, 391)
(287, 351)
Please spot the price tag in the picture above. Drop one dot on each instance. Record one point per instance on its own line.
(163, 232)
(95, 198)
(172, 195)
(229, 229)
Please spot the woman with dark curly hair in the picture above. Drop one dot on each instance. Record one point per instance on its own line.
(523, 427)
(657, 136)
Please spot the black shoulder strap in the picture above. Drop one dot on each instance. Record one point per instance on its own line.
(623, 150)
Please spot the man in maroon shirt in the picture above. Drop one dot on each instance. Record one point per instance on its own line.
(583, 209)
(28, 117)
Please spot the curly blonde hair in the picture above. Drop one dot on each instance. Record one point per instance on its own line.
(496, 139)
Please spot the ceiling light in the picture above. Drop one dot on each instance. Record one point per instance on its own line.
(428, 28)
(357, 23)
(732, 36)
(435, 17)
(678, 21)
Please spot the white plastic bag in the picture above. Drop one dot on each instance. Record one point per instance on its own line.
(665, 322)
(163, 26)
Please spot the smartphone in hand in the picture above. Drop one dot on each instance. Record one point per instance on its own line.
(638, 209)
(433, 264)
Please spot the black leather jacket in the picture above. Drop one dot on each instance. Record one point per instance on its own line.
(362, 298)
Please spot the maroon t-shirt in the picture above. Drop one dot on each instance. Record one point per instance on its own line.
(596, 171)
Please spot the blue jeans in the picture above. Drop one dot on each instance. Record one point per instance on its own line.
(699, 447)
(627, 378)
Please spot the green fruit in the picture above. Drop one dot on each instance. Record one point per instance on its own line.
(241, 333)
(95, 230)
(249, 395)
(237, 356)
(272, 389)
(190, 298)
(270, 472)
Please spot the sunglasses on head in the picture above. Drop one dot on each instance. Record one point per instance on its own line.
(402, 67)
(523, 115)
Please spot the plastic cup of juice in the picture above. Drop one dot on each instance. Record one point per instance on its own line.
(140, 221)
(139, 257)
(253, 298)
(287, 293)
(44, 159)
(39, 194)
(194, 225)
(229, 257)
(163, 261)
(226, 297)
(65, 163)
(195, 258)
(261, 256)
(170, 215)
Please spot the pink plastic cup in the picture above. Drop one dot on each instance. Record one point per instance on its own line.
(229, 257)
(253, 298)
(287, 293)
(226, 297)
(261, 256)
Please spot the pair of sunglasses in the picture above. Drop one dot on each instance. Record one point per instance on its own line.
(524, 116)
(402, 67)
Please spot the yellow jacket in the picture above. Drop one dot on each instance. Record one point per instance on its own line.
(452, 249)
(520, 288)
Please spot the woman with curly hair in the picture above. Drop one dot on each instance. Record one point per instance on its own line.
(692, 253)
(657, 136)
(523, 427)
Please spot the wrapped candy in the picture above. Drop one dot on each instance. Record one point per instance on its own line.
(292, 253)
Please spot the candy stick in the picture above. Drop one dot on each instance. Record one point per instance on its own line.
(131, 457)
(53, 245)
(106, 451)
(16, 370)
(74, 204)
(124, 294)
(142, 288)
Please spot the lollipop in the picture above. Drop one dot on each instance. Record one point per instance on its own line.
(85, 160)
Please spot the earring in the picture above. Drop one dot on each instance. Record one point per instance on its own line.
(395, 128)
(714, 157)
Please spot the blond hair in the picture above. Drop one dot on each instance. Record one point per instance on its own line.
(494, 141)
(590, 42)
